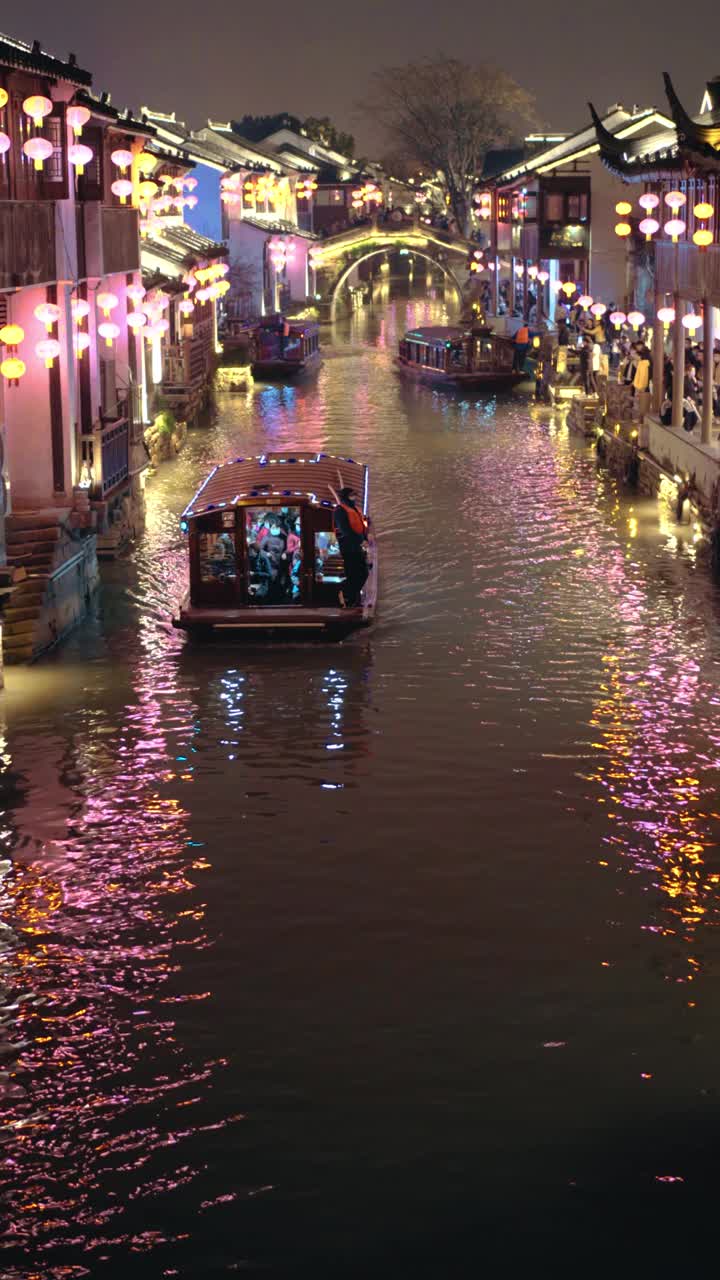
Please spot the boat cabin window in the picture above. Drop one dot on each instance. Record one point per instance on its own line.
(216, 549)
(484, 352)
(293, 346)
(456, 355)
(274, 552)
(328, 561)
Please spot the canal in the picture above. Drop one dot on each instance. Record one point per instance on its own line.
(399, 957)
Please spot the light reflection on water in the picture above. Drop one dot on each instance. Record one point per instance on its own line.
(307, 955)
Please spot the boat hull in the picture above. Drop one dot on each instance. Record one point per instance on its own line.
(491, 380)
(284, 370)
(278, 622)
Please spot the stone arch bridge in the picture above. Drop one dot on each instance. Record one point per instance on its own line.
(333, 259)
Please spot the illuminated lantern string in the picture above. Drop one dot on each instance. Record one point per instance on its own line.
(649, 226)
(13, 369)
(48, 350)
(666, 315)
(109, 332)
(11, 335)
(5, 143)
(692, 321)
(123, 188)
(704, 211)
(190, 183)
(649, 201)
(598, 309)
(618, 318)
(568, 288)
(186, 307)
(136, 293)
(3, 98)
(675, 200)
(532, 272)
(585, 301)
(80, 308)
(81, 342)
(122, 159)
(107, 302)
(543, 276)
(79, 155)
(48, 314)
(703, 237)
(623, 208)
(674, 228)
(146, 163)
(38, 150)
(191, 202)
(137, 320)
(37, 106)
(636, 318)
(623, 229)
(77, 117)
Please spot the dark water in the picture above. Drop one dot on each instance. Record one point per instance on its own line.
(394, 958)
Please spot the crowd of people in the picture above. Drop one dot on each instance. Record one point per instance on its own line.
(274, 554)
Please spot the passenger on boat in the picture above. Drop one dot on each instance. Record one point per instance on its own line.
(351, 530)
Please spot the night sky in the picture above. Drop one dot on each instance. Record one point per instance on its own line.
(217, 58)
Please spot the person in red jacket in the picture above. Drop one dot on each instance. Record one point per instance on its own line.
(351, 532)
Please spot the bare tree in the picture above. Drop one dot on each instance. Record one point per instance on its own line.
(443, 116)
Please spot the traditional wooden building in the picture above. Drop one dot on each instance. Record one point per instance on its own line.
(71, 368)
(670, 232)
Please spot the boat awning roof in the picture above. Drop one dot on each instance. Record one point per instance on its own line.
(300, 474)
(435, 333)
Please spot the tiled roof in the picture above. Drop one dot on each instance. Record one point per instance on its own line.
(31, 57)
(180, 247)
(297, 473)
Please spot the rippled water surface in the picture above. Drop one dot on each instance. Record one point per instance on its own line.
(396, 957)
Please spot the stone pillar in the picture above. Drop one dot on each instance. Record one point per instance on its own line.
(496, 285)
(678, 362)
(708, 363)
(658, 355)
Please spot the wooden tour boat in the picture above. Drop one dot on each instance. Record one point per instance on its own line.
(263, 553)
(281, 348)
(452, 356)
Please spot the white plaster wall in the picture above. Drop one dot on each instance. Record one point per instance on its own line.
(687, 457)
(246, 246)
(27, 412)
(608, 253)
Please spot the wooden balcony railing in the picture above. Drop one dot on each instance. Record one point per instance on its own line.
(105, 456)
(27, 243)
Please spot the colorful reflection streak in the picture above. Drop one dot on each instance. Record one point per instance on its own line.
(97, 1083)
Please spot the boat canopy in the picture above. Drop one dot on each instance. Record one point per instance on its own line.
(437, 334)
(300, 474)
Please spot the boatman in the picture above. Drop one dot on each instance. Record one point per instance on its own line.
(351, 532)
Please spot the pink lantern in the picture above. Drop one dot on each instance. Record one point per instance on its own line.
(136, 320)
(122, 187)
(191, 201)
(692, 321)
(598, 309)
(109, 332)
(222, 268)
(649, 201)
(649, 226)
(38, 150)
(153, 332)
(37, 106)
(675, 200)
(76, 118)
(79, 155)
(81, 342)
(107, 302)
(5, 143)
(519, 270)
(585, 301)
(190, 184)
(636, 318)
(618, 318)
(543, 276)
(48, 350)
(202, 296)
(48, 314)
(532, 272)
(122, 159)
(186, 307)
(80, 308)
(674, 228)
(666, 315)
(136, 293)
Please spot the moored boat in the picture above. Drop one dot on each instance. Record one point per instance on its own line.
(453, 356)
(263, 553)
(281, 348)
